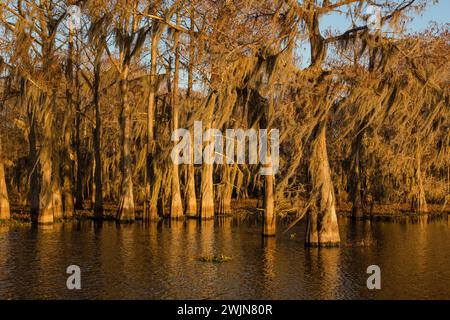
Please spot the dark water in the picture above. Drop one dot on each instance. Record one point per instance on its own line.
(161, 261)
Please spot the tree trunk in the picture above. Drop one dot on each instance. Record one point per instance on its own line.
(67, 176)
(156, 187)
(226, 190)
(176, 206)
(5, 213)
(356, 192)
(190, 70)
(149, 213)
(191, 200)
(67, 127)
(419, 202)
(126, 211)
(269, 227)
(207, 193)
(79, 167)
(58, 210)
(322, 227)
(269, 214)
(45, 214)
(98, 181)
(207, 186)
(34, 168)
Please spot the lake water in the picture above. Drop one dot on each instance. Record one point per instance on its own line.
(161, 261)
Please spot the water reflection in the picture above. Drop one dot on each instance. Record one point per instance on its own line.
(323, 265)
(162, 260)
(269, 274)
(5, 272)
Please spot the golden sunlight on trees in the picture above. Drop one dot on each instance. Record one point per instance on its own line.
(88, 108)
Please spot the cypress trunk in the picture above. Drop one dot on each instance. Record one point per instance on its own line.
(98, 180)
(45, 214)
(207, 184)
(68, 203)
(269, 214)
(126, 211)
(58, 210)
(322, 229)
(207, 193)
(78, 165)
(356, 192)
(5, 213)
(150, 206)
(34, 168)
(226, 190)
(269, 227)
(419, 201)
(176, 206)
(67, 177)
(155, 191)
(191, 200)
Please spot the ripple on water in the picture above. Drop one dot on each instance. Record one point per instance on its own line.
(160, 261)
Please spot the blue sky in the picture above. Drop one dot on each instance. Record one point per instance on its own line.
(339, 23)
(439, 13)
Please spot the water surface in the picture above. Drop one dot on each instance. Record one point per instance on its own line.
(161, 261)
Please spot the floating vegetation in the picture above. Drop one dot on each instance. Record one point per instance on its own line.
(15, 223)
(216, 259)
(361, 243)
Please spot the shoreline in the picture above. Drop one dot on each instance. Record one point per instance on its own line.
(248, 208)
